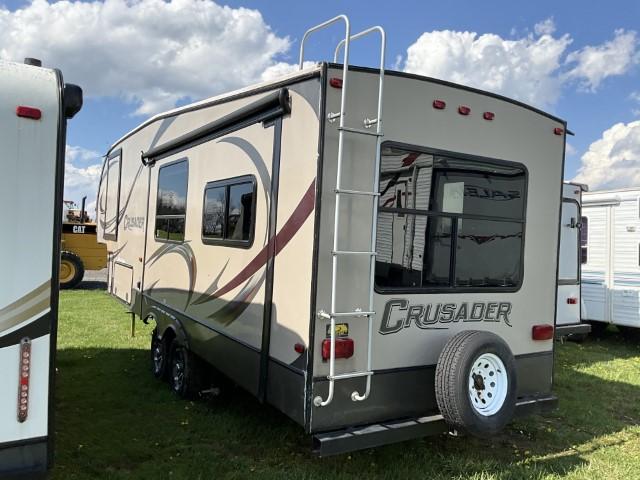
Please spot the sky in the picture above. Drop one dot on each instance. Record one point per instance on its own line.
(577, 60)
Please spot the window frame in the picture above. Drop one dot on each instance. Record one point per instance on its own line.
(155, 220)
(453, 289)
(583, 217)
(227, 183)
(113, 235)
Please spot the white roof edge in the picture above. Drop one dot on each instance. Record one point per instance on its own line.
(615, 190)
(222, 96)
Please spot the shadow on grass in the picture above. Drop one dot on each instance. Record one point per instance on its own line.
(114, 420)
(93, 285)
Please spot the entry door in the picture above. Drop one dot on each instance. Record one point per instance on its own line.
(568, 311)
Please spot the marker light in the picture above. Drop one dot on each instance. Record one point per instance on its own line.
(335, 82)
(558, 131)
(344, 348)
(488, 115)
(23, 379)
(572, 301)
(29, 112)
(439, 104)
(464, 110)
(299, 348)
(542, 332)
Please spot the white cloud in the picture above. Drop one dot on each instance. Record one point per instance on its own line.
(525, 68)
(281, 68)
(149, 52)
(82, 175)
(534, 68)
(546, 27)
(570, 150)
(595, 63)
(635, 96)
(613, 161)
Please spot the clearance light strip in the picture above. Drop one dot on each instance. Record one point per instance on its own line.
(23, 379)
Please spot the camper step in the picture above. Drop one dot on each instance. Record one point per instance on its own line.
(343, 376)
(359, 131)
(353, 252)
(357, 192)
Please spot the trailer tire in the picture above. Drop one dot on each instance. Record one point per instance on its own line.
(71, 269)
(467, 403)
(159, 356)
(183, 371)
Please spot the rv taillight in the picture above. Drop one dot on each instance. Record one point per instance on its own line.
(488, 115)
(344, 348)
(439, 104)
(29, 112)
(558, 131)
(572, 301)
(464, 110)
(542, 332)
(335, 82)
(23, 379)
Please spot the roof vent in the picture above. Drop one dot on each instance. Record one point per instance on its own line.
(33, 61)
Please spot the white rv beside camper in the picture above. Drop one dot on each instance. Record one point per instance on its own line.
(371, 252)
(35, 105)
(611, 258)
(569, 301)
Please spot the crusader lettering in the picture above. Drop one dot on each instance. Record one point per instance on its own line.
(131, 223)
(398, 314)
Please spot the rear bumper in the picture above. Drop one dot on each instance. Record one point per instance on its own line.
(375, 435)
(572, 329)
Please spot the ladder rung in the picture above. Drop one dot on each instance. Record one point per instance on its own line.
(353, 252)
(350, 314)
(343, 376)
(360, 131)
(357, 192)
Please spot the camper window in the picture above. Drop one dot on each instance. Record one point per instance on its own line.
(171, 202)
(584, 237)
(447, 222)
(228, 214)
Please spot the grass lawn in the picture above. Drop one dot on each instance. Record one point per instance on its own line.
(114, 420)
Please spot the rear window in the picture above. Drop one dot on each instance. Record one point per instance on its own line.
(449, 222)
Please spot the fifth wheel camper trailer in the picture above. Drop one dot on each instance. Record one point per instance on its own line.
(611, 258)
(34, 107)
(371, 252)
(569, 307)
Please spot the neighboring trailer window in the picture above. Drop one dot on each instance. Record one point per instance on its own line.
(228, 214)
(449, 223)
(171, 207)
(584, 237)
(112, 196)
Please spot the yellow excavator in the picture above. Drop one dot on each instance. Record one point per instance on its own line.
(80, 248)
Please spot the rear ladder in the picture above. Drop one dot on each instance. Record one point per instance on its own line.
(339, 191)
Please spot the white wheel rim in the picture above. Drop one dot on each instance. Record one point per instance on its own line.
(488, 384)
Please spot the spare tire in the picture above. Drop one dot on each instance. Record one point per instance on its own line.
(476, 383)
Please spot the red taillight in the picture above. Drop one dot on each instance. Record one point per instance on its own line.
(23, 382)
(335, 82)
(29, 112)
(464, 110)
(558, 131)
(572, 301)
(488, 115)
(439, 104)
(299, 348)
(542, 332)
(344, 348)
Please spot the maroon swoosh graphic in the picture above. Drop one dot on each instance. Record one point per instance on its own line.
(277, 243)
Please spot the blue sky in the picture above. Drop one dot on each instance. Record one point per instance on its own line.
(588, 55)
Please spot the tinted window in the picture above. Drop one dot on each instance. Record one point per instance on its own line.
(229, 211)
(448, 222)
(171, 204)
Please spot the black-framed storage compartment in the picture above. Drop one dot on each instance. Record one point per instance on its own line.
(167, 219)
(227, 184)
(447, 223)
